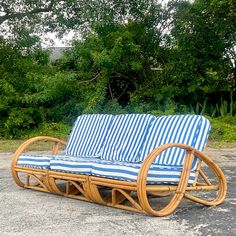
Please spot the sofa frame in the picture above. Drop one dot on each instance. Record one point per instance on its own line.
(133, 196)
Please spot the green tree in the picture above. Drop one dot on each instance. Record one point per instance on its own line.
(113, 62)
(24, 20)
(31, 91)
(202, 61)
(118, 61)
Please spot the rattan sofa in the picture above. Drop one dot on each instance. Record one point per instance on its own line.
(137, 162)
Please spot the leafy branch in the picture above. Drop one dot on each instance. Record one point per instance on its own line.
(20, 15)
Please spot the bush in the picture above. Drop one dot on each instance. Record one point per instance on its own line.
(32, 92)
(223, 129)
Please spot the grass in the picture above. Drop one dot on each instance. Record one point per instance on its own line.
(223, 135)
(223, 132)
(221, 144)
(12, 145)
(57, 130)
(9, 145)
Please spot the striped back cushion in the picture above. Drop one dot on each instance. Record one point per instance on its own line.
(88, 134)
(192, 130)
(125, 137)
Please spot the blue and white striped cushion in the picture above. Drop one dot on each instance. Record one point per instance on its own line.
(35, 161)
(76, 165)
(158, 174)
(88, 135)
(126, 171)
(125, 137)
(192, 130)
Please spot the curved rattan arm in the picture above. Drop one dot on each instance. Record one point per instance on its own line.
(183, 181)
(29, 142)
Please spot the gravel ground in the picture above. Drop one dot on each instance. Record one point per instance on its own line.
(26, 212)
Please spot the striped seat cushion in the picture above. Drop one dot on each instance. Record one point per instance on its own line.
(75, 165)
(192, 130)
(87, 136)
(125, 137)
(158, 174)
(35, 161)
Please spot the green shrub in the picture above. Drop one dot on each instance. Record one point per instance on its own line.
(223, 129)
(60, 130)
(20, 120)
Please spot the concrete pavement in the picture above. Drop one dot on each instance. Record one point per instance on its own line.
(27, 212)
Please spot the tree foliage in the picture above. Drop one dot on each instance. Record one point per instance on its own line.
(31, 92)
(23, 21)
(134, 56)
(202, 60)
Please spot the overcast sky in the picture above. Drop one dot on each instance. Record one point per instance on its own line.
(64, 42)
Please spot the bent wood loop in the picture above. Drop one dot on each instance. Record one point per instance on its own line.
(180, 191)
(92, 188)
(23, 147)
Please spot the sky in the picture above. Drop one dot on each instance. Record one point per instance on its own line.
(64, 42)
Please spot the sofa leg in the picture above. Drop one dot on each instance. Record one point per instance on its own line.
(94, 194)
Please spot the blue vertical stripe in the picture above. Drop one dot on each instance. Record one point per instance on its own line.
(191, 130)
(125, 137)
(88, 135)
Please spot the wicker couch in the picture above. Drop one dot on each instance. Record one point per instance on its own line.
(136, 162)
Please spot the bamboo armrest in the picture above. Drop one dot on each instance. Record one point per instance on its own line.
(143, 172)
(200, 155)
(183, 181)
(27, 143)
